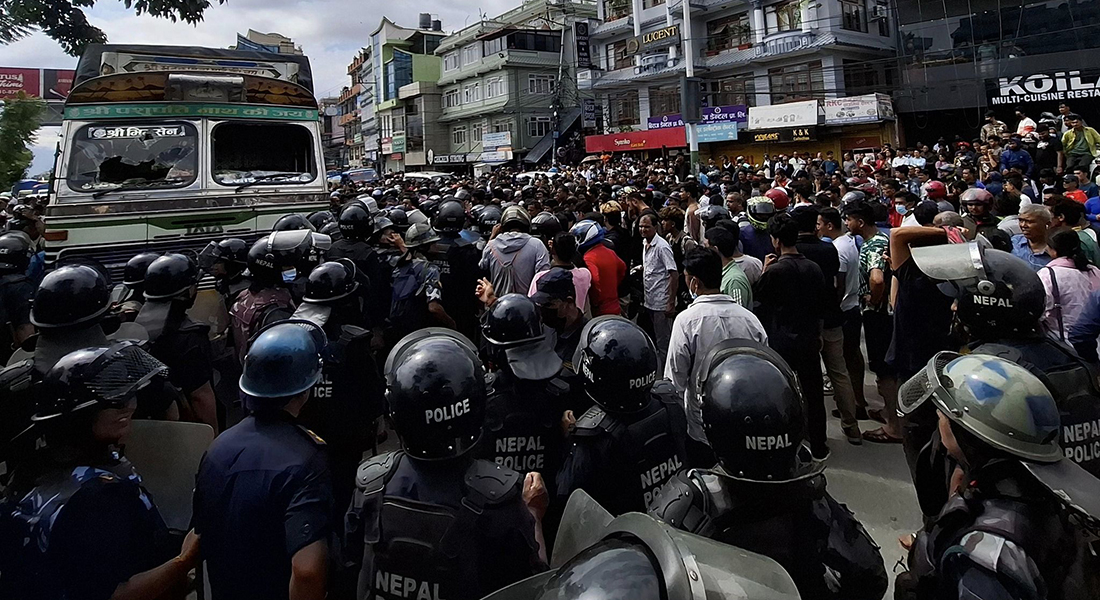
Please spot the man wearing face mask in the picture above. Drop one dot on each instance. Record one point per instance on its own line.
(904, 203)
(555, 294)
(267, 300)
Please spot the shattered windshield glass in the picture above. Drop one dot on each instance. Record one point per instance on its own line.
(249, 154)
(110, 156)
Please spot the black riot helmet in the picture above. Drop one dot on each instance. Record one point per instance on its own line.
(292, 222)
(134, 273)
(15, 254)
(277, 252)
(320, 218)
(512, 320)
(356, 222)
(451, 217)
(752, 410)
(331, 281)
(489, 218)
(283, 361)
(70, 295)
(232, 252)
(399, 218)
(332, 230)
(618, 362)
(545, 225)
(169, 276)
(998, 294)
(107, 377)
(435, 388)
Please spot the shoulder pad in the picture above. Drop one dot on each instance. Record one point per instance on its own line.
(664, 390)
(18, 376)
(375, 471)
(680, 503)
(1000, 350)
(558, 387)
(313, 437)
(594, 421)
(490, 484)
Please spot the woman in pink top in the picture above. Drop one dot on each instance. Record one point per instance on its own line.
(563, 249)
(1068, 279)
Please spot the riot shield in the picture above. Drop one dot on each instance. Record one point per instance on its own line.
(167, 454)
(582, 524)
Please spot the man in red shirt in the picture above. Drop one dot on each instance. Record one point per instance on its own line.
(608, 270)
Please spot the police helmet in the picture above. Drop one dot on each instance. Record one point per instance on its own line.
(752, 410)
(15, 254)
(588, 234)
(618, 362)
(277, 252)
(760, 209)
(292, 222)
(169, 276)
(997, 400)
(331, 281)
(107, 377)
(136, 268)
(416, 216)
(512, 320)
(515, 217)
(230, 251)
(381, 224)
(370, 203)
(546, 225)
(420, 234)
(70, 295)
(332, 230)
(356, 222)
(435, 388)
(462, 195)
(283, 360)
(320, 218)
(399, 218)
(489, 218)
(429, 207)
(451, 217)
(998, 293)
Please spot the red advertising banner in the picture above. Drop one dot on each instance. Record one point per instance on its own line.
(13, 81)
(652, 139)
(56, 83)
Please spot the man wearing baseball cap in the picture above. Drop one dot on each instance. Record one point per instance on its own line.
(556, 296)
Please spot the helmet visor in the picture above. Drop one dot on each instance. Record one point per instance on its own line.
(961, 263)
(924, 385)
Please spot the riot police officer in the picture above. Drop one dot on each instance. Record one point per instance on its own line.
(429, 518)
(456, 256)
(271, 263)
(226, 261)
(293, 222)
(487, 222)
(1000, 303)
(623, 449)
(767, 494)
(417, 294)
(127, 297)
(357, 227)
(1013, 527)
(263, 495)
(16, 290)
(171, 284)
(76, 521)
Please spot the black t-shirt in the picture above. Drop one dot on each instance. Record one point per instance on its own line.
(790, 300)
(922, 321)
(825, 256)
(1046, 153)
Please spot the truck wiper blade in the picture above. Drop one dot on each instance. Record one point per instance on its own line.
(136, 186)
(261, 178)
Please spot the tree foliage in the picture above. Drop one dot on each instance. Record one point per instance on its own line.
(65, 21)
(18, 125)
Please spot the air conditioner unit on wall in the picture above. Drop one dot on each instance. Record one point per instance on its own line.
(879, 11)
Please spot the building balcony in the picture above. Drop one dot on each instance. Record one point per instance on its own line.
(652, 67)
(350, 93)
(498, 60)
(608, 28)
(474, 109)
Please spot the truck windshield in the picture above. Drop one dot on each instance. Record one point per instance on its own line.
(109, 156)
(262, 154)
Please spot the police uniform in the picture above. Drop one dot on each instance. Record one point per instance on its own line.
(622, 460)
(16, 292)
(375, 266)
(523, 423)
(440, 530)
(185, 348)
(263, 492)
(416, 283)
(231, 288)
(797, 523)
(457, 258)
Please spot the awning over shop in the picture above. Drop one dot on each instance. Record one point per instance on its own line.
(651, 139)
(547, 142)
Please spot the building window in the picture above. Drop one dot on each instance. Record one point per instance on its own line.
(728, 32)
(471, 54)
(494, 88)
(471, 93)
(788, 17)
(617, 56)
(477, 132)
(450, 61)
(880, 13)
(853, 15)
(493, 46)
(797, 82)
(386, 130)
(651, 3)
(538, 126)
(664, 100)
(732, 91)
(860, 78)
(458, 135)
(540, 84)
(451, 99)
(503, 125)
(616, 9)
(624, 109)
(538, 41)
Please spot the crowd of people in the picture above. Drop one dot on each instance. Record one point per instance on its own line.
(659, 338)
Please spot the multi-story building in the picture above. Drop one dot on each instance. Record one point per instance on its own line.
(332, 133)
(359, 152)
(514, 76)
(267, 42)
(960, 59)
(749, 54)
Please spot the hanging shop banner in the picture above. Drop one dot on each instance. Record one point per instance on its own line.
(584, 53)
(1048, 88)
(496, 139)
(588, 119)
(716, 132)
(398, 144)
(710, 114)
(778, 116)
(654, 139)
(13, 81)
(870, 108)
(779, 136)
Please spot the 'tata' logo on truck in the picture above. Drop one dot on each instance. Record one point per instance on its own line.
(205, 229)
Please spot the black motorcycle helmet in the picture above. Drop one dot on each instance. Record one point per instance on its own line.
(134, 273)
(283, 361)
(998, 294)
(104, 377)
(320, 218)
(489, 218)
(331, 281)
(451, 217)
(618, 362)
(512, 320)
(15, 254)
(752, 410)
(545, 225)
(292, 222)
(169, 276)
(435, 388)
(711, 214)
(356, 222)
(70, 295)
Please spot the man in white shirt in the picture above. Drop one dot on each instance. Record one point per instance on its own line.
(1026, 124)
(659, 277)
(711, 318)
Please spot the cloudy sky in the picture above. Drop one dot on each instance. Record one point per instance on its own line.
(329, 31)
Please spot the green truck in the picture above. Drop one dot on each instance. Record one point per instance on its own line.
(167, 148)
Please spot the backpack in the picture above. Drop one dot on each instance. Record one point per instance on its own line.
(505, 281)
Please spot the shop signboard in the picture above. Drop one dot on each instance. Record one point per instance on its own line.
(869, 108)
(496, 139)
(495, 157)
(584, 53)
(790, 134)
(14, 81)
(588, 118)
(398, 144)
(449, 159)
(717, 132)
(387, 145)
(711, 114)
(779, 116)
(653, 139)
(661, 38)
(1048, 88)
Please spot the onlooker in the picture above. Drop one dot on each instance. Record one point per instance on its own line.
(791, 297)
(1079, 142)
(735, 283)
(1031, 243)
(711, 318)
(563, 252)
(992, 127)
(1085, 332)
(659, 277)
(1068, 213)
(1087, 186)
(1048, 151)
(607, 270)
(512, 256)
(829, 226)
(1026, 124)
(1069, 281)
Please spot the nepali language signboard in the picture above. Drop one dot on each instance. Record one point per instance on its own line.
(713, 114)
(777, 116)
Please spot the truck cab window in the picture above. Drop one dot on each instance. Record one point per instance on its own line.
(109, 156)
(263, 153)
